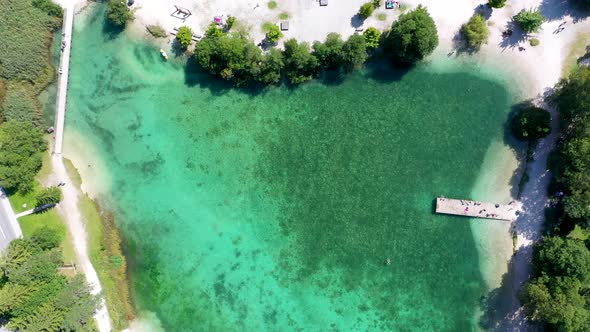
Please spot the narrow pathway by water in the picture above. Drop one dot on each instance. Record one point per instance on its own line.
(64, 69)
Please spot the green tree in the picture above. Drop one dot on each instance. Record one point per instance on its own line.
(273, 34)
(529, 20)
(557, 301)
(300, 64)
(213, 31)
(21, 145)
(271, 67)
(49, 195)
(366, 10)
(531, 123)
(184, 36)
(497, 3)
(556, 256)
(77, 304)
(229, 23)
(329, 53)
(46, 238)
(412, 37)
(475, 31)
(354, 52)
(49, 7)
(372, 37)
(118, 14)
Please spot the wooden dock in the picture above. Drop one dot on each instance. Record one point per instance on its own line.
(476, 209)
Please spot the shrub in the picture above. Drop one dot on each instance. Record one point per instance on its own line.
(49, 7)
(272, 4)
(156, 31)
(412, 37)
(49, 195)
(273, 34)
(475, 31)
(118, 14)
(283, 16)
(46, 238)
(531, 123)
(381, 16)
(534, 42)
(230, 22)
(184, 36)
(376, 3)
(529, 20)
(366, 10)
(497, 3)
(372, 37)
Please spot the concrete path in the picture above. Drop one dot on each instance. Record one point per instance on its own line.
(25, 213)
(9, 227)
(64, 70)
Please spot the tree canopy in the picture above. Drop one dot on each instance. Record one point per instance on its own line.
(531, 123)
(300, 64)
(118, 14)
(329, 53)
(556, 296)
(35, 297)
(529, 20)
(372, 37)
(412, 37)
(366, 10)
(354, 52)
(184, 36)
(273, 34)
(21, 145)
(497, 3)
(49, 195)
(475, 31)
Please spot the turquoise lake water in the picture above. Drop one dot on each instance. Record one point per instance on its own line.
(276, 210)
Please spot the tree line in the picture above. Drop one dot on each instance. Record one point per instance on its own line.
(559, 293)
(234, 57)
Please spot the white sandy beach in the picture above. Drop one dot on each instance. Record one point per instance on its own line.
(535, 70)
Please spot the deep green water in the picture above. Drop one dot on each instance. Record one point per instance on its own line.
(277, 210)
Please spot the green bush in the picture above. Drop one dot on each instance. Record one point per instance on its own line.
(531, 123)
(329, 53)
(475, 31)
(381, 16)
(157, 31)
(529, 20)
(377, 3)
(372, 37)
(497, 3)
(272, 4)
(49, 195)
(283, 16)
(412, 37)
(534, 42)
(184, 36)
(366, 10)
(49, 7)
(230, 22)
(273, 34)
(46, 237)
(118, 14)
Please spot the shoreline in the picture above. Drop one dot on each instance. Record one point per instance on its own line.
(537, 81)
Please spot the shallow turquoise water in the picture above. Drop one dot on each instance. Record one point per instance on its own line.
(277, 210)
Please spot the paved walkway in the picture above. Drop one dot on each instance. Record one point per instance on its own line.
(64, 70)
(9, 227)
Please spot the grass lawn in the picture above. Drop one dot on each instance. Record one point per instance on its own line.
(52, 220)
